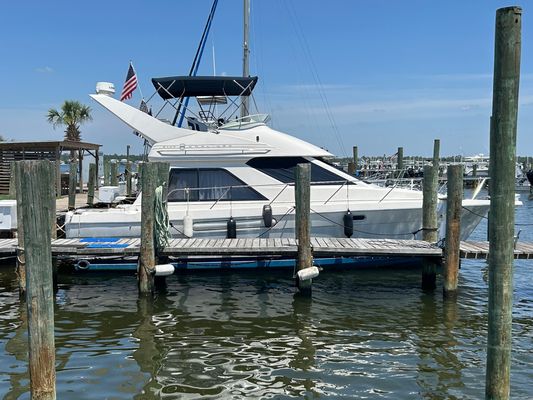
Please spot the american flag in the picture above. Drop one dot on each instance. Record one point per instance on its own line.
(130, 85)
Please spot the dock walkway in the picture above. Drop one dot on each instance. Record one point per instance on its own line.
(276, 247)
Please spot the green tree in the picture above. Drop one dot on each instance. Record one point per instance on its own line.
(72, 114)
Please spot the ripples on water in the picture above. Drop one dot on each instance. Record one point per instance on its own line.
(364, 334)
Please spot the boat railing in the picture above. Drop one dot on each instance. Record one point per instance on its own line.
(225, 193)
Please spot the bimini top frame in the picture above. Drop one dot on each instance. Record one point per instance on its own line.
(175, 87)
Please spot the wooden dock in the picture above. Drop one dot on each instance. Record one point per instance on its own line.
(282, 247)
(288, 247)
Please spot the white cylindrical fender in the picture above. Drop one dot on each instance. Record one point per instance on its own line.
(307, 273)
(164, 269)
(188, 226)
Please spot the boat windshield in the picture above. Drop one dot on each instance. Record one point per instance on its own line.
(247, 122)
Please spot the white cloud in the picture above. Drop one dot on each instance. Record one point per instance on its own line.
(44, 70)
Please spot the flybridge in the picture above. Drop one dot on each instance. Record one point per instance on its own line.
(198, 86)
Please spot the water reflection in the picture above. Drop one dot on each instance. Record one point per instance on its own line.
(371, 333)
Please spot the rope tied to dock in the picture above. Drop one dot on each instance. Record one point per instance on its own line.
(161, 225)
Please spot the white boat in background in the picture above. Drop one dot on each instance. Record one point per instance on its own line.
(226, 167)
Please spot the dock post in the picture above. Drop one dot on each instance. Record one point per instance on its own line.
(114, 173)
(502, 208)
(453, 229)
(128, 178)
(303, 223)
(429, 207)
(355, 158)
(35, 182)
(105, 172)
(73, 172)
(139, 175)
(351, 168)
(429, 222)
(147, 250)
(90, 184)
(436, 153)
(399, 165)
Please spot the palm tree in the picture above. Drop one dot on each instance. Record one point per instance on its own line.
(71, 115)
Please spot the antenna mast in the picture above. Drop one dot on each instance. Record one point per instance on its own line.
(246, 53)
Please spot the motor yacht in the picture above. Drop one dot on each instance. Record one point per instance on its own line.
(224, 166)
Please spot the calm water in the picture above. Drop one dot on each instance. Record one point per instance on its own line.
(364, 334)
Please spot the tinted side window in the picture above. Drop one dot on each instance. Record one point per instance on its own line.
(181, 179)
(283, 169)
(209, 184)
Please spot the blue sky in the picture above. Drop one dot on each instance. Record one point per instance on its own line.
(377, 74)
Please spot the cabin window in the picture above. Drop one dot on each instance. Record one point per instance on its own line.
(283, 169)
(208, 184)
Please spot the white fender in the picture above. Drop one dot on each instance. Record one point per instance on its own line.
(188, 226)
(307, 273)
(164, 269)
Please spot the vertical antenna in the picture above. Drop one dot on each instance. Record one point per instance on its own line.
(246, 53)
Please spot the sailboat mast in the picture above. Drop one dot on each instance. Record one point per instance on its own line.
(246, 53)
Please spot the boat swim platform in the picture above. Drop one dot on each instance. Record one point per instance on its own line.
(265, 247)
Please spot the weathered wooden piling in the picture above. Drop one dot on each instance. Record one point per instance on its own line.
(72, 183)
(355, 158)
(154, 174)
(436, 154)
(351, 168)
(91, 184)
(147, 252)
(113, 180)
(399, 166)
(507, 55)
(36, 198)
(302, 195)
(128, 178)
(429, 204)
(106, 172)
(429, 221)
(453, 229)
(139, 175)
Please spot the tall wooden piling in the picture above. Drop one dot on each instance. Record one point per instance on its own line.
(91, 184)
(436, 154)
(355, 158)
(399, 166)
(72, 183)
(147, 250)
(302, 195)
(113, 180)
(429, 204)
(128, 178)
(453, 229)
(139, 175)
(430, 222)
(35, 180)
(501, 225)
(106, 172)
